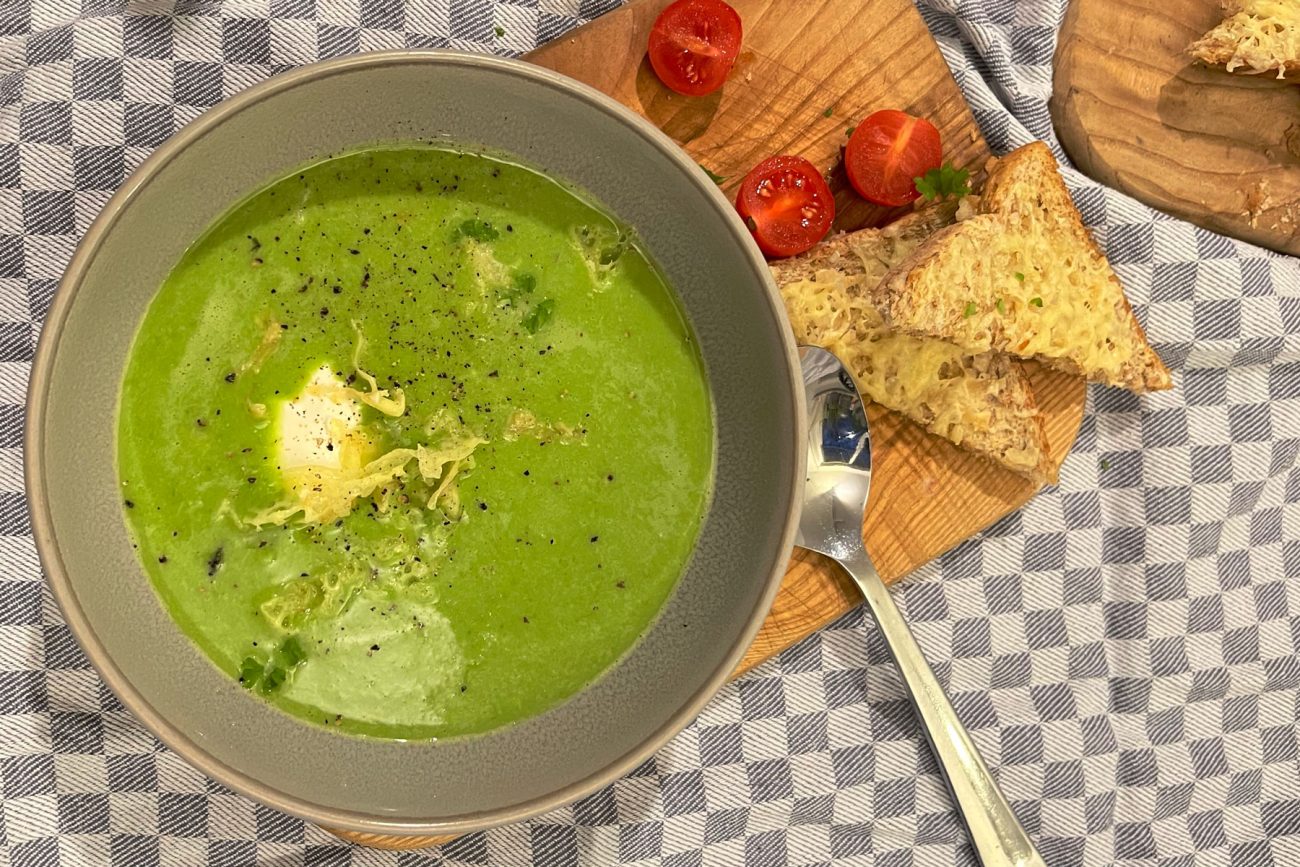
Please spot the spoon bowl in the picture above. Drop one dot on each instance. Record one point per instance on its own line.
(839, 458)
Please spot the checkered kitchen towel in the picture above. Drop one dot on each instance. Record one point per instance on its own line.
(1124, 649)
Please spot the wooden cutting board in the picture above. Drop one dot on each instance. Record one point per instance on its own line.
(808, 71)
(1135, 112)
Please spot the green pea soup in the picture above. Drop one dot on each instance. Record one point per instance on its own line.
(415, 442)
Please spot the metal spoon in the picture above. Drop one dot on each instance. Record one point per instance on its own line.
(835, 499)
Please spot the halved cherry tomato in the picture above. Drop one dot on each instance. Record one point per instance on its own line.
(786, 204)
(887, 152)
(694, 44)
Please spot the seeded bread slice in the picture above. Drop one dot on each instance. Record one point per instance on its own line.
(1025, 278)
(981, 402)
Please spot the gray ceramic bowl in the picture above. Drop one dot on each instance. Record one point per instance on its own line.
(454, 786)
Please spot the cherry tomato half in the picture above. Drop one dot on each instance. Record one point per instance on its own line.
(694, 44)
(887, 152)
(786, 204)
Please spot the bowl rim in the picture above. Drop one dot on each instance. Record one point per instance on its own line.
(58, 578)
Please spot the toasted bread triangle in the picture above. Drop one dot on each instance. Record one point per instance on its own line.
(982, 403)
(1025, 278)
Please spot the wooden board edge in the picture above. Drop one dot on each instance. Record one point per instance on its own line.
(1060, 105)
(608, 21)
(389, 842)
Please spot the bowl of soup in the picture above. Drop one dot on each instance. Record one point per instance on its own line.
(414, 442)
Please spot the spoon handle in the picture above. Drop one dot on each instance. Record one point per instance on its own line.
(997, 835)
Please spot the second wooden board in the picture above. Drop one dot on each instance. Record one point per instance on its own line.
(1134, 111)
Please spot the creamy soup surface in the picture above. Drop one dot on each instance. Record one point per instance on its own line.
(415, 442)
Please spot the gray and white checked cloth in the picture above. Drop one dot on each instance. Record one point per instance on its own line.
(1124, 649)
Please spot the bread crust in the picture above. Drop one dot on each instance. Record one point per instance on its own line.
(836, 251)
(1026, 199)
(1054, 196)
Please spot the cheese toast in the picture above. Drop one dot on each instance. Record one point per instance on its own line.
(1024, 277)
(981, 402)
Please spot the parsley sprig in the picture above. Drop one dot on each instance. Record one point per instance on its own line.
(943, 182)
(713, 176)
(540, 315)
(479, 230)
(266, 674)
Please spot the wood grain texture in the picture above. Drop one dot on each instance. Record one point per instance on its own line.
(390, 841)
(801, 58)
(1135, 112)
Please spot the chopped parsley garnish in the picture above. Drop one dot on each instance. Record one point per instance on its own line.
(267, 675)
(250, 672)
(523, 284)
(479, 230)
(828, 112)
(540, 315)
(1002, 307)
(1020, 277)
(943, 182)
(291, 652)
(850, 130)
(1036, 301)
(499, 31)
(970, 309)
